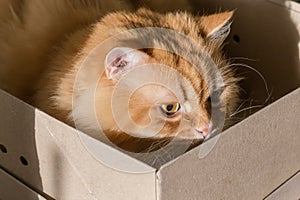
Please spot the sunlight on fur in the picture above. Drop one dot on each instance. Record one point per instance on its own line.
(46, 67)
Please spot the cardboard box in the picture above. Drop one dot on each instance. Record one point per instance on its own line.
(289, 190)
(247, 161)
(12, 189)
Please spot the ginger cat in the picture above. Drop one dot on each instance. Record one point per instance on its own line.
(50, 58)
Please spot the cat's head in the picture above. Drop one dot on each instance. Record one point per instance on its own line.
(158, 93)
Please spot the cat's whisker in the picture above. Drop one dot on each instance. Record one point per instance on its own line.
(268, 97)
(240, 106)
(154, 145)
(243, 58)
(158, 160)
(239, 110)
(151, 147)
(256, 71)
(245, 109)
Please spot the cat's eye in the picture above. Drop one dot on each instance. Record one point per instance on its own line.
(170, 109)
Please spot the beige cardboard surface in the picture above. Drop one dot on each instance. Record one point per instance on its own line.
(12, 189)
(248, 161)
(17, 134)
(256, 156)
(76, 174)
(59, 163)
(289, 190)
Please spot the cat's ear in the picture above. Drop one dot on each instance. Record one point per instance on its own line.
(216, 27)
(121, 59)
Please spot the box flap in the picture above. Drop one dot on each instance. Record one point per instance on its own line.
(289, 190)
(12, 189)
(246, 161)
(56, 159)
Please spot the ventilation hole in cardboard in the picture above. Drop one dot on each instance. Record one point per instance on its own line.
(23, 161)
(3, 148)
(236, 38)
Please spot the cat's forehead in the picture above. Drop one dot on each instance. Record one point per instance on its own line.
(189, 77)
(178, 84)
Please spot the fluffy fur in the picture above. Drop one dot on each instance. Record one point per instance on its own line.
(44, 46)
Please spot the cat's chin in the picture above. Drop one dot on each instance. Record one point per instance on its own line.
(195, 143)
(129, 143)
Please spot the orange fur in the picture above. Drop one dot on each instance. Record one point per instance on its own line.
(54, 90)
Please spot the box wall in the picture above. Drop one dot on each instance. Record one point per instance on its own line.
(12, 189)
(59, 163)
(289, 190)
(257, 155)
(248, 160)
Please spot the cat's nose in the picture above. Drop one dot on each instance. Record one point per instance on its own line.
(204, 131)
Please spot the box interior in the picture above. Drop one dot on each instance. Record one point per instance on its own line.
(263, 46)
(265, 36)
